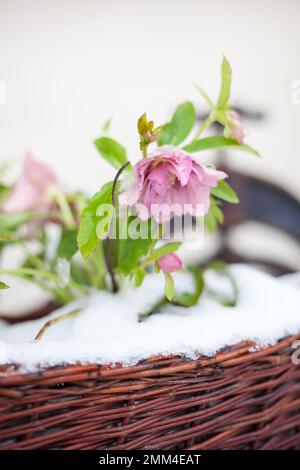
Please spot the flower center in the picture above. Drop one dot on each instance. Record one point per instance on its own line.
(172, 179)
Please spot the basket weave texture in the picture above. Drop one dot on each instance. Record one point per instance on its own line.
(239, 399)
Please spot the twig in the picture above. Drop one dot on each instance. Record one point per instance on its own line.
(107, 256)
(49, 323)
(113, 193)
(107, 252)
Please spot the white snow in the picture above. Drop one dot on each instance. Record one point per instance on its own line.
(107, 329)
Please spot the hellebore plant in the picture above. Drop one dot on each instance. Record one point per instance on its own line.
(121, 231)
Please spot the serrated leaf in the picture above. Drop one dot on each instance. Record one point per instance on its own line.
(67, 246)
(87, 236)
(218, 142)
(225, 192)
(113, 152)
(181, 124)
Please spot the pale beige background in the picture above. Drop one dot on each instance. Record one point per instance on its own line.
(68, 65)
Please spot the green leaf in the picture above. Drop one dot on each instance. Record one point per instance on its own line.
(218, 142)
(165, 134)
(218, 214)
(3, 285)
(225, 192)
(4, 189)
(87, 236)
(214, 216)
(182, 123)
(131, 250)
(224, 94)
(210, 223)
(187, 299)
(113, 152)
(169, 287)
(68, 244)
(78, 274)
(138, 277)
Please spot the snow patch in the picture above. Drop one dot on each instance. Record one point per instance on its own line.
(108, 331)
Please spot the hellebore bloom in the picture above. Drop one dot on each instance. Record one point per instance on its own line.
(170, 183)
(30, 192)
(169, 263)
(237, 129)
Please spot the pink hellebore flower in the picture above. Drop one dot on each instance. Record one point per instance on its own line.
(170, 183)
(237, 129)
(30, 192)
(169, 263)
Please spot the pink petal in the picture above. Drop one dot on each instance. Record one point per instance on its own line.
(129, 197)
(38, 173)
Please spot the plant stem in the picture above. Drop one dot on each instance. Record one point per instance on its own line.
(152, 309)
(29, 272)
(205, 124)
(61, 295)
(111, 273)
(63, 204)
(21, 272)
(119, 172)
(49, 323)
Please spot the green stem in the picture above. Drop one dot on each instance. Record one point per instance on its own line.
(29, 272)
(63, 204)
(205, 125)
(142, 316)
(61, 295)
(114, 188)
(21, 272)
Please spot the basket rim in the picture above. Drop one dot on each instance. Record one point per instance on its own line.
(243, 352)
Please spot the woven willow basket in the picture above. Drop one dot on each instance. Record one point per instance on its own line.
(239, 399)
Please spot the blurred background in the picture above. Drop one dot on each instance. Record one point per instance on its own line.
(66, 66)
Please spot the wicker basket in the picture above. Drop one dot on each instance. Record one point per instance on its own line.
(236, 400)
